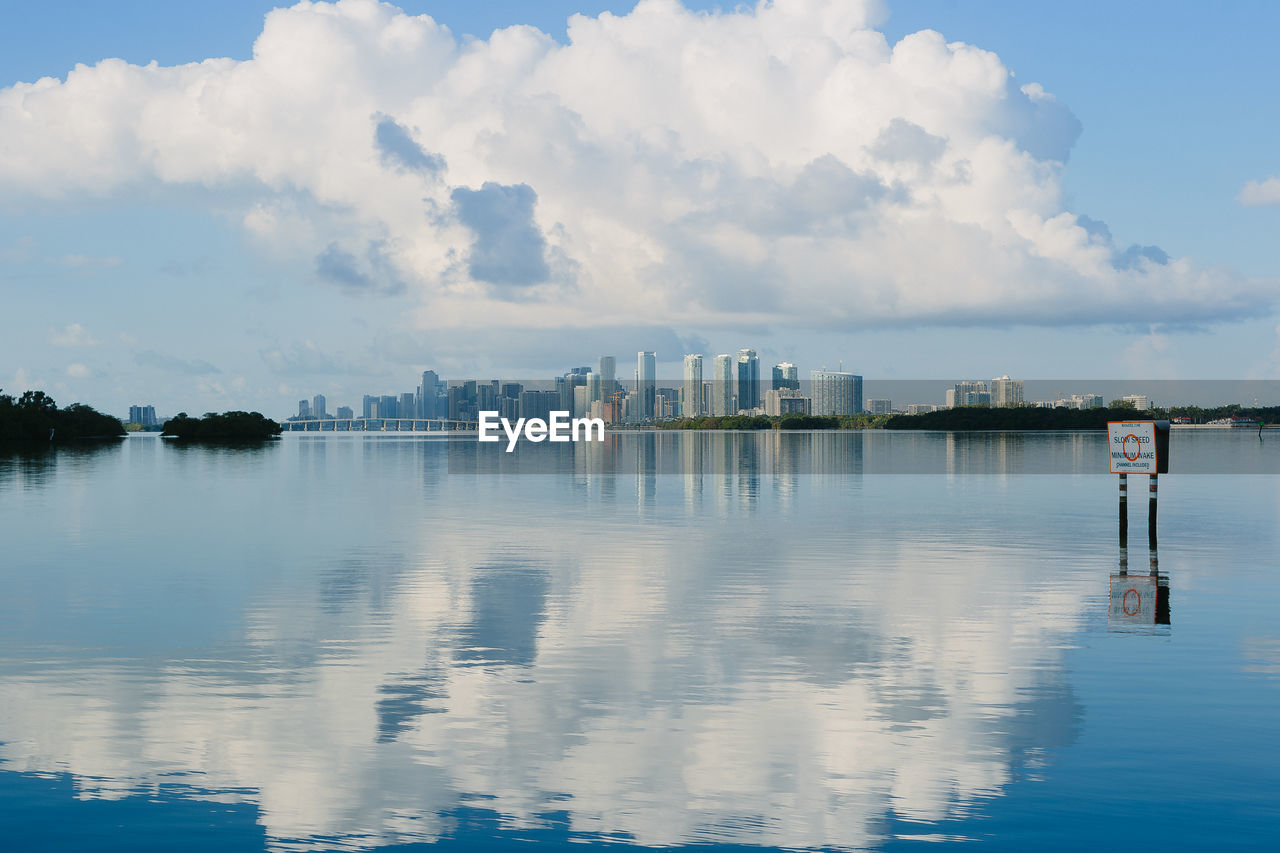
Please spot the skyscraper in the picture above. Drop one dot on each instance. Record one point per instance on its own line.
(318, 404)
(836, 392)
(1006, 391)
(785, 375)
(646, 383)
(722, 385)
(428, 393)
(304, 408)
(608, 376)
(691, 404)
(748, 379)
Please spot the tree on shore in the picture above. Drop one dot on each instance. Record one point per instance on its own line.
(35, 417)
(228, 426)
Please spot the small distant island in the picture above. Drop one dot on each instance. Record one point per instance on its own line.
(35, 418)
(225, 427)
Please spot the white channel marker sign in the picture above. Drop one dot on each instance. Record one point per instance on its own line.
(1133, 446)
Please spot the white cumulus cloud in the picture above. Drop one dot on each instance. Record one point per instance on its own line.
(779, 164)
(1256, 193)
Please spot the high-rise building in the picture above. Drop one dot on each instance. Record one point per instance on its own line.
(786, 401)
(785, 375)
(145, 415)
(1006, 391)
(428, 394)
(691, 402)
(879, 407)
(369, 406)
(1140, 401)
(748, 379)
(608, 376)
(836, 392)
(593, 389)
(969, 393)
(722, 385)
(408, 404)
(646, 383)
(345, 413)
(304, 408)
(318, 404)
(388, 406)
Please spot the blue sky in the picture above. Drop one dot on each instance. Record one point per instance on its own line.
(153, 282)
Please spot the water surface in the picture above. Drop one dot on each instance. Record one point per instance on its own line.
(760, 640)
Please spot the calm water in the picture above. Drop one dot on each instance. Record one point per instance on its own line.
(349, 642)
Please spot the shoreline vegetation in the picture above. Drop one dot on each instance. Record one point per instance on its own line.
(225, 427)
(976, 418)
(34, 418)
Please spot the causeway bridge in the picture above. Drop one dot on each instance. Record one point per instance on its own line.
(378, 425)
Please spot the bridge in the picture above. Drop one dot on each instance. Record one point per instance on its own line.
(377, 425)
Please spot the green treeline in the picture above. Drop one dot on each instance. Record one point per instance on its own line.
(35, 417)
(229, 426)
(1021, 417)
(804, 422)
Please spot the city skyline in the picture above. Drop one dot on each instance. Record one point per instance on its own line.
(160, 261)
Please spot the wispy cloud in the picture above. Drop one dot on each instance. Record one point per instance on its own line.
(73, 335)
(173, 364)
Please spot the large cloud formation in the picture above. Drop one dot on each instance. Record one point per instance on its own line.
(780, 164)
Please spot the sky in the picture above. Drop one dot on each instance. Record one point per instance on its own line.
(221, 206)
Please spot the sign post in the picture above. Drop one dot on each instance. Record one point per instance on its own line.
(1138, 447)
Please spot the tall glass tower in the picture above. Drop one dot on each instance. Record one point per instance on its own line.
(748, 379)
(691, 405)
(646, 383)
(722, 385)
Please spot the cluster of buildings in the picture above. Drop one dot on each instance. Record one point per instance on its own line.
(727, 384)
(733, 386)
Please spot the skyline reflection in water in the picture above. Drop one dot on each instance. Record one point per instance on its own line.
(357, 644)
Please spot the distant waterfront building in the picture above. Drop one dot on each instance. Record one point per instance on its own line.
(666, 404)
(319, 406)
(646, 383)
(1075, 401)
(304, 408)
(921, 408)
(594, 392)
(538, 404)
(388, 406)
(428, 395)
(369, 406)
(145, 415)
(836, 392)
(691, 400)
(748, 379)
(786, 401)
(722, 385)
(608, 376)
(878, 406)
(1140, 401)
(408, 404)
(1006, 391)
(969, 393)
(345, 413)
(785, 375)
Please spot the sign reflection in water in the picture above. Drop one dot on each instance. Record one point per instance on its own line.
(740, 653)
